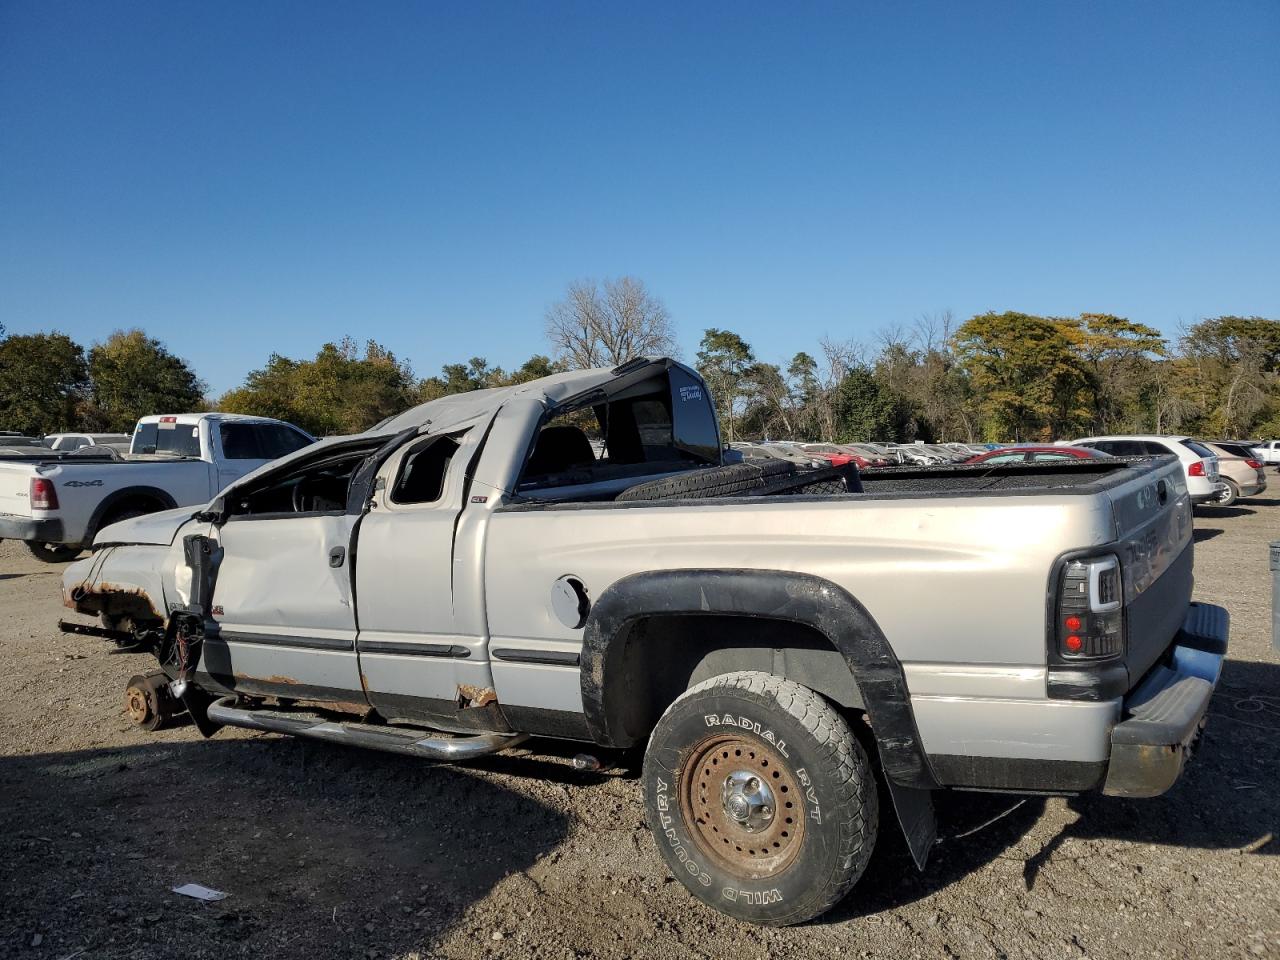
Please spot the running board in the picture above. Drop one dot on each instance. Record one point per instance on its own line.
(390, 739)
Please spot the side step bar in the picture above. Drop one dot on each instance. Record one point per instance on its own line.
(390, 739)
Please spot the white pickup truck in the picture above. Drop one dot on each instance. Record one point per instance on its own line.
(1268, 451)
(57, 503)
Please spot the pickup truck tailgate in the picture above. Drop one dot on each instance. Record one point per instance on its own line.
(15, 487)
(1155, 548)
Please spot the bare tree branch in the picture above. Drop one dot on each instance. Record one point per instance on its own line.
(609, 323)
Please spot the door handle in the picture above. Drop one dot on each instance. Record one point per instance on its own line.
(337, 555)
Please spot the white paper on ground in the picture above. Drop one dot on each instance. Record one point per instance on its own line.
(199, 892)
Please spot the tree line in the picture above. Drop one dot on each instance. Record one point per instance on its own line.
(1007, 376)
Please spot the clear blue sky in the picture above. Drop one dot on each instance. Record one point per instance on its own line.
(246, 177)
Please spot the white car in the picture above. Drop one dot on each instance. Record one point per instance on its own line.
(74, 441)
(1199, 463)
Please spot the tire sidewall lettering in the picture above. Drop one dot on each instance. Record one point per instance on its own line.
(669, 821)
(742, 722)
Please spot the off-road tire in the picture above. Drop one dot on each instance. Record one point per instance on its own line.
(713, 482)
(739, 720)
(1230, 494)
(53, 552)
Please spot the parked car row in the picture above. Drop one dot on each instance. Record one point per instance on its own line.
(16, 444)
(1219, 471)
(807, 454)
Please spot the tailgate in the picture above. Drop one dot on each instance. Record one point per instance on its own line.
(15, 489)
(1154, 540)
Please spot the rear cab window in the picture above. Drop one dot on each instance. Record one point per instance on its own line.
(167, 438)
(660, 426)
(422, 473)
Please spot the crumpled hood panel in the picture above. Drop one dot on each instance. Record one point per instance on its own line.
(154, 528)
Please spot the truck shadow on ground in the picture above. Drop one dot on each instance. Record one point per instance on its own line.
(1227, 799)
(322, 851)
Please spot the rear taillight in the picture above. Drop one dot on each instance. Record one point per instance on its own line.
(1196, 469)
(1090, 614)
(1256, 464)
(43, 496)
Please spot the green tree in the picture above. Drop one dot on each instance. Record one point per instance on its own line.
(1233, 364)
(475, 374)
(1118, 357)
(723, 360)
(867, 409)
(535, 368)
(341, 391)
(132, 375)
(1028, 380)
(43, 379)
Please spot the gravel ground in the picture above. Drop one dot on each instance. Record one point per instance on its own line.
(330, 852)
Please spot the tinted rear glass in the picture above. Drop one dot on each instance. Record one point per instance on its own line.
(176, 439)
(694, 418)
(1199, 449)
(1232, 450)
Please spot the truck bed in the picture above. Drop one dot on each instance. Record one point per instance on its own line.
(905, 482)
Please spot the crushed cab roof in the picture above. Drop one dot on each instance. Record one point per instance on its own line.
(460, 408)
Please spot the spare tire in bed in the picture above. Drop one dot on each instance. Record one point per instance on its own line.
(713, 482)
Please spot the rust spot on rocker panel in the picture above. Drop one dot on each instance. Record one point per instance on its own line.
(473, 696)
(287, 681)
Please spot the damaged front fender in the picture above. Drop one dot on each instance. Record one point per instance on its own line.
(119, 582)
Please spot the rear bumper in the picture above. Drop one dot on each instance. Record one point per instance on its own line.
(24, 528)
(1199, 498)
(1163, 715)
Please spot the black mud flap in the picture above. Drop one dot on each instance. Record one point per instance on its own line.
(197, 703)
(914, 808)
(188, 627)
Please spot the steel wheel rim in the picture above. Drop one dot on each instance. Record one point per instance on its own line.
(737, 836)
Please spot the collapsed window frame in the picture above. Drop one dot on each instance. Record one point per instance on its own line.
(604, 405)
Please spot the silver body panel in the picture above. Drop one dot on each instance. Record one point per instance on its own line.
(956, 583)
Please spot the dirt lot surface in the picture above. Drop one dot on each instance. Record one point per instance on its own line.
(328, 852)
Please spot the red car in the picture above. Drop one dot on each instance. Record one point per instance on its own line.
(833, 454)
(1037, 455)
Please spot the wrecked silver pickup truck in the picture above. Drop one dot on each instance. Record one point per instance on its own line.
(473, 572)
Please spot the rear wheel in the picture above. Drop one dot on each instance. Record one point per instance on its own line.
(53, 552)
(762, 801)
(1229, 495)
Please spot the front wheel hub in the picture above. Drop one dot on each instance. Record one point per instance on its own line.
(748, 800)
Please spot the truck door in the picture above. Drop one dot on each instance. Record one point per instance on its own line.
(282, 595)
(421, 642)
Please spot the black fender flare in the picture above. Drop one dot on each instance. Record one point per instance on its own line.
(119, 496)
(770, 594)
